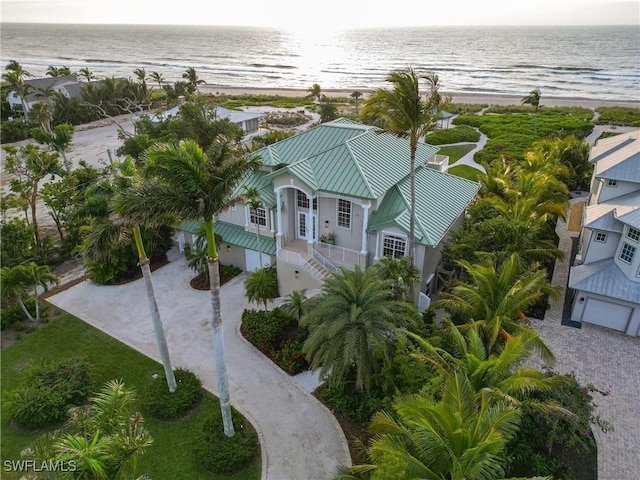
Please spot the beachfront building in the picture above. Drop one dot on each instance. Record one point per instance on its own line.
(338, 195)
(249, 122)
(605, 277)
(40, 88)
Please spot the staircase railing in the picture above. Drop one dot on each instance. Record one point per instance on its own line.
(295, 258)
(339, 254)
(324, 262)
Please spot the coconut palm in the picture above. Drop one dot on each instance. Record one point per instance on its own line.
(460, 437)
(15, 78)
(157, 77)
(494, 298)
(38, 276)
(141, 75)
(353, 327)
(53, 71)
(86, 73)
(101, 439)
(180, 179)
(191, 76)
(14, 287)
(261, 286)
(533, 99)
(356, 97)
(252, 200)
(405, 114)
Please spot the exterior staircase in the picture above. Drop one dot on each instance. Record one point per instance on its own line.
(319, 268)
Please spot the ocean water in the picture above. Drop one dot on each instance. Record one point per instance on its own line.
(589, 62)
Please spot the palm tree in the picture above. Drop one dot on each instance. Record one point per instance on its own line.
(533, 99)
(157, 77)
(315, 92)
(295, 303)
(180, 179)
(500, 374)
(353, 327)
(192, 78)
(15, 78)
(261, 286)
(141, 75)
(405, 114)
(494, 299)
(14, 287)
(460, 437)
(399, 273)
(38, 276)
(101, 439)
(86, 73)
(252, 200)
(356, 96)
(53, 71)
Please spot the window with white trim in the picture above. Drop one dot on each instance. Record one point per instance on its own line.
(601, 237)
(344, 213)
(612, 183)
(627, 252)
(394, 246)
(258, 216)
(303, 200)
(633, 234)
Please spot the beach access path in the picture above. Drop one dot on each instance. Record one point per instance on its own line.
(299, 436)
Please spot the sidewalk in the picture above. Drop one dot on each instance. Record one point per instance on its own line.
(609, 360)
(299, 437)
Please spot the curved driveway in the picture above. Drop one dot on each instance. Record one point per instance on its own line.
(299, 437)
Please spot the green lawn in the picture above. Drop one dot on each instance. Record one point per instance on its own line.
(456, 152)
(465, 171)
(171, 454)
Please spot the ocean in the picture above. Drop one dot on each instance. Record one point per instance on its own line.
(594, 62)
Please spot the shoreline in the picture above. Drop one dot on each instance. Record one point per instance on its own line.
(457, 97)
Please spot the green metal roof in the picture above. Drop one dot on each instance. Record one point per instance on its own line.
(234, 235)
(440, 199)
(261, 181)
(345, 158)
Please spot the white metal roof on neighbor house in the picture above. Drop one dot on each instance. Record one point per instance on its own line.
(234, 116)
(618, 158)
(631, 218)
(604, 278)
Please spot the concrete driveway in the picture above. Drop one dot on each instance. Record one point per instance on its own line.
(299, 437)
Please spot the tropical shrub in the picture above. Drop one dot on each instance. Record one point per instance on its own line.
(49, 391)
(14, 315)
(618, 116)
(220, 454)
(359, 406)
(14, 131)
(161, 404)
(463, 133)
(290, 358)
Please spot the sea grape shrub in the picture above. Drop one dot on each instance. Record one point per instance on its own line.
(219, 454)
(49, 390)
(164, 405)
(556, 444)
(463, 133)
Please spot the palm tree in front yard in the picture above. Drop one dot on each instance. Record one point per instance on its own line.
(262, 286)
(405, 114)
(353, 326)
(181, 180)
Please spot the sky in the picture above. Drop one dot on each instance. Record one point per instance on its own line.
(330, 14)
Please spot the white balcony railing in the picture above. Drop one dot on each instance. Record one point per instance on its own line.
(341, 255)
(295, 258)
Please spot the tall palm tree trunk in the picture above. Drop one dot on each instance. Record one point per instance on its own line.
(259, 244)
(161, 341)
(218, 338)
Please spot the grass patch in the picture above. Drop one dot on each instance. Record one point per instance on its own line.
(619, 116)
(456, 152)
(465, 171)
(170, 456)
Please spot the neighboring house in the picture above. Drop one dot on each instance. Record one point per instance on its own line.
(67, 85)
(249, 122)
(606, 272)
(338, 195)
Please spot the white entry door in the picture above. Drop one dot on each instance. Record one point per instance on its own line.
(306, 226)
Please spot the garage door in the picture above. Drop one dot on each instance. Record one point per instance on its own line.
(606, 314)
(252, 260)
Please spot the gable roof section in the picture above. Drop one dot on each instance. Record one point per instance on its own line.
(234, 235)
(440, 199)
(604, 278)
(619, 160)
(631, 218)
(345, 158)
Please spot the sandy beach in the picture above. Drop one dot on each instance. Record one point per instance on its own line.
(457, 97)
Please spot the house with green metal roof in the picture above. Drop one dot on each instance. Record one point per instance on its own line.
(338, 195)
